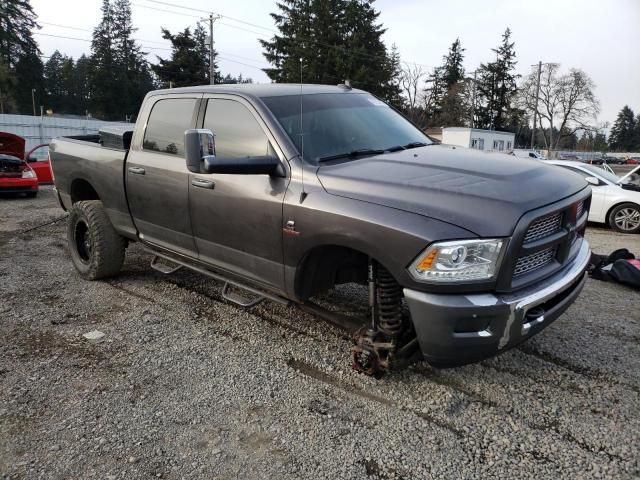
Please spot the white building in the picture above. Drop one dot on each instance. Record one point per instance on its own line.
(488, 140)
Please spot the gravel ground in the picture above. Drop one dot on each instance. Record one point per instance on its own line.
(184, 385)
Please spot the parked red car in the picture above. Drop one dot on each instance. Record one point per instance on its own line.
(633, 161)
(16, 176)
(38, 158)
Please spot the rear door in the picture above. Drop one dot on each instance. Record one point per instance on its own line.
(237, 219)
(157, 178)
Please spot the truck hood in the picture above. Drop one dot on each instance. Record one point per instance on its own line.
(485, 193)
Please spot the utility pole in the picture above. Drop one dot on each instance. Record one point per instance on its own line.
(473, 101)
(535, 110)
(212, 18)
(33, 100)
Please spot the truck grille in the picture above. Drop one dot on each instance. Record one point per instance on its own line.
(548, 242)
(534, 261)
(543, 227)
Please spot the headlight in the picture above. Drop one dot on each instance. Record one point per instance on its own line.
(458, 261)
(28, 173)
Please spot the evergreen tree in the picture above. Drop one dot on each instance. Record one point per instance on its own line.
(636, 136)
(55, 92)
(81, 86)
(133, 66)
(17, 21)
(119, 74)
(187, 66)
(235, 80)
(497, 86)
(623, 132)
(28, 75)
(453, 69)
(104, 75)
(331, 41)
(447, 93)
(19, 55)
(67, 74)
(7, 83)
(202, 48)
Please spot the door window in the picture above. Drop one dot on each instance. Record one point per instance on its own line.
(236, 131)
(167, 123)
(40, 154)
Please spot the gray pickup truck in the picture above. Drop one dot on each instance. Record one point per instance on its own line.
(286, 191)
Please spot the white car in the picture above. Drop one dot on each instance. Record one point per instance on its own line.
(522, 153)
(615, 201)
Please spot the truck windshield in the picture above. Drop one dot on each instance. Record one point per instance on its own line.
(343, 125)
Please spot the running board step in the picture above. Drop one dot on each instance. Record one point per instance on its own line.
(162, 267)
(239, 300)
(228, 282)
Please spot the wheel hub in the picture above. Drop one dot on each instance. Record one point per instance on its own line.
(82, 238)
(628, 219)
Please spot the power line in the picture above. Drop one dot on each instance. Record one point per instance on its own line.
(327, 45)
(168, 4)
(165, 49)
(70, 27)
(337, 47)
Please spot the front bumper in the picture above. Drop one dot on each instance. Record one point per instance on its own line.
(18, 185)
(454, 329)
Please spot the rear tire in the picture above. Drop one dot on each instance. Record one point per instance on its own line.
(625, 218)
(97, 251)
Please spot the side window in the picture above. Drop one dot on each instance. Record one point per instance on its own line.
(509, 145)
(474, 143)
(481, 144)
(236, 131)
(582, 173)
(167, 122)
(40, 154)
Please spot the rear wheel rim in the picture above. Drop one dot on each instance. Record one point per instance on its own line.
(627, 219)
(83, 241)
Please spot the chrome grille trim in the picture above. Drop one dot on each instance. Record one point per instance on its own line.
(534, 261)
(543, 227)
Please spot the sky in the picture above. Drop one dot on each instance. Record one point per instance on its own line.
(600, 37)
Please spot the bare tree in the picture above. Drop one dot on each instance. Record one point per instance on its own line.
(411, 77)
(567, 102)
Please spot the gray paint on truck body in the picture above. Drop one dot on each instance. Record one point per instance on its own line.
(389, 207)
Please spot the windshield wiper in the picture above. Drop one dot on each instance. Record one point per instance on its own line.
(415, 145)
(397, 148)
(352, 154)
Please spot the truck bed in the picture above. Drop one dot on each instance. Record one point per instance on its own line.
(97, 171)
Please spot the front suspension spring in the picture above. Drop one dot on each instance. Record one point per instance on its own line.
(389, 295)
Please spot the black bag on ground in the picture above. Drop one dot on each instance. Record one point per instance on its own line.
(620, 267)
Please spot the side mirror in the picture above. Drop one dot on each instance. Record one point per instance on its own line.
(31, 159)
(593, 181)
(262, 165)
(198, 144)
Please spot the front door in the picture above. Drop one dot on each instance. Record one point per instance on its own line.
(157, 176)
(237, 219)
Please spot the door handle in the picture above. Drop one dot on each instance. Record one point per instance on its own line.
(200, 183)
(136, 170)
